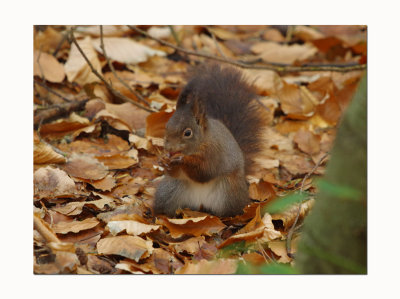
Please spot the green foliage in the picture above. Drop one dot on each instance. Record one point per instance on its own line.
(281, 204)
(339, 191)
(234, 249)
(272, 268)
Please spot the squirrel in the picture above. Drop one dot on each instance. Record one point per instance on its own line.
(210, 141)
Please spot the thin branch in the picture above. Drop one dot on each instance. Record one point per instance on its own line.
(267, 66)
(54, 112)
(44, 85)
(175, 36)
(110, 65)
(116, 93)
(291, 231)
(217, 45)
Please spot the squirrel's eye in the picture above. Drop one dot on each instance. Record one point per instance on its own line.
(187, 133)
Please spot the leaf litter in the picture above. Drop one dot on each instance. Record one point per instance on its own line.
(96, 169)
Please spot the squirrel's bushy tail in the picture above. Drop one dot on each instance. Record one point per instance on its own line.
(228, 97)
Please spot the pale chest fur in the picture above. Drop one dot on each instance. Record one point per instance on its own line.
(209, 195)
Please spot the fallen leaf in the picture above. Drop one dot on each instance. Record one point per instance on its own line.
(125, 50)
(262, 191)
(63, 127)
(206, 225)
(76, 67)
(106, 184)
(75, 226)
(193, 245)
(274, 52)
(288, 216)
(132, 247)
(64, 263)
(131, 115)
(307, 141)
(155, 123)
(47, 66)
(131, 227)
(264, 80)
(279, 248)
(86, 167)
(159, 32)
(297, 102)
(53, 182)
(219, 266)
(43, 153)
(257, 229)
(75, 208)
(163, 262)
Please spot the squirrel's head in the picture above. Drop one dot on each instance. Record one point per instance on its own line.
(186, 128)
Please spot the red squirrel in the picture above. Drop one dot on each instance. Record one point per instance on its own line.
(210, 141)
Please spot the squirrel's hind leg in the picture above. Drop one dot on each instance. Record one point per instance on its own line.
(166, 197)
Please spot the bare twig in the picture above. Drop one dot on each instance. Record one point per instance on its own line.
(216, 44)
(110, 65)
(44, 85)
(175, 36)
(267, 66)
(116, 93)
(56, 111)
(291, 231)
(44, 229)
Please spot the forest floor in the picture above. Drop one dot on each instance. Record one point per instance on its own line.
(99, 119)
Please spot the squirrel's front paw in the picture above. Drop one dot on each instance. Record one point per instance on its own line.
(169, 162)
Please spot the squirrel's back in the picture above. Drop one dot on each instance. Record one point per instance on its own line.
(228, 97)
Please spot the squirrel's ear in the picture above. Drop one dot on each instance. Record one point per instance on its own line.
(199, 113)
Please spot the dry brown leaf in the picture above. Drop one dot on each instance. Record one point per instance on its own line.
(306, 33)
(264, 80)
(162, 262)
(257, 229)
(108, 30)
(75, 208)
(307, 142)
(274, 52)
(86, 167)
(100, 147)
(262, 191)
(272, 34)
(139, 142)
(155, 123)
(47, 66)
(93, 106)
(279, 248)
(75, 226)
(131, 115)
(47, 40)
(274, 140)
(64, 263)
(289, 215)
(77, 69)
(296, 164)
(220, 266)
(63, 127)
(106, 184)
(125, 50)
(132, 247)
(131, 227)
(194, 245)
(44, 154)
(53, 182)
(297, 102)
(197, 226)
(159, 32)
(121, 161)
